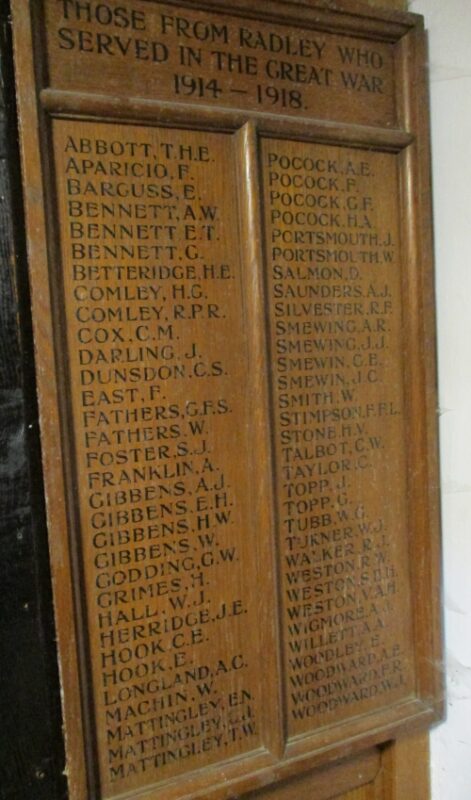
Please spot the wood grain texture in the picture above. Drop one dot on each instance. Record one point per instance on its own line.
(319, 785)
(406, 763)
(406, 769)
(399, 5)
(326, 427)
(252, 65)
(183, 433)
(363, 793)
(231, 305)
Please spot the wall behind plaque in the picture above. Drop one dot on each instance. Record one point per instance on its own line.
(449, 26)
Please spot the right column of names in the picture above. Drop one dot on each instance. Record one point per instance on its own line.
(334, 294)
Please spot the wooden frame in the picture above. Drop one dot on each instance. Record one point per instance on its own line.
(42, 101)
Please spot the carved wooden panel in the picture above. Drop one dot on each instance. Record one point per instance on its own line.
(230, 264)
(158, 364)
(189, 54)
(334, 293)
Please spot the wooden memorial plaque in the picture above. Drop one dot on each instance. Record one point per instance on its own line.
(229, 234)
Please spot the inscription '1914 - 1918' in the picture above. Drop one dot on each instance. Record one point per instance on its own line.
(190, 55)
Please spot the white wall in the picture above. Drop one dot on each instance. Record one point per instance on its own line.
(449, 26)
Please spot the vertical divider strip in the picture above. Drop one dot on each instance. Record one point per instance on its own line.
(413, 362)
(419, 291)
(274, 717)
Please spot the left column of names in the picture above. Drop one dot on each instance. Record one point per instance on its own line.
(158, 364)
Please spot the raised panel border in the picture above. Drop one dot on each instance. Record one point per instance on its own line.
(412, 141)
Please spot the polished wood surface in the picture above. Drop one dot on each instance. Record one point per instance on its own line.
(231, 289)
(336, 320)
(190, 55)
(159, 382)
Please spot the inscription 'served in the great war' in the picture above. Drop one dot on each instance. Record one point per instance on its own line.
(187, 55)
